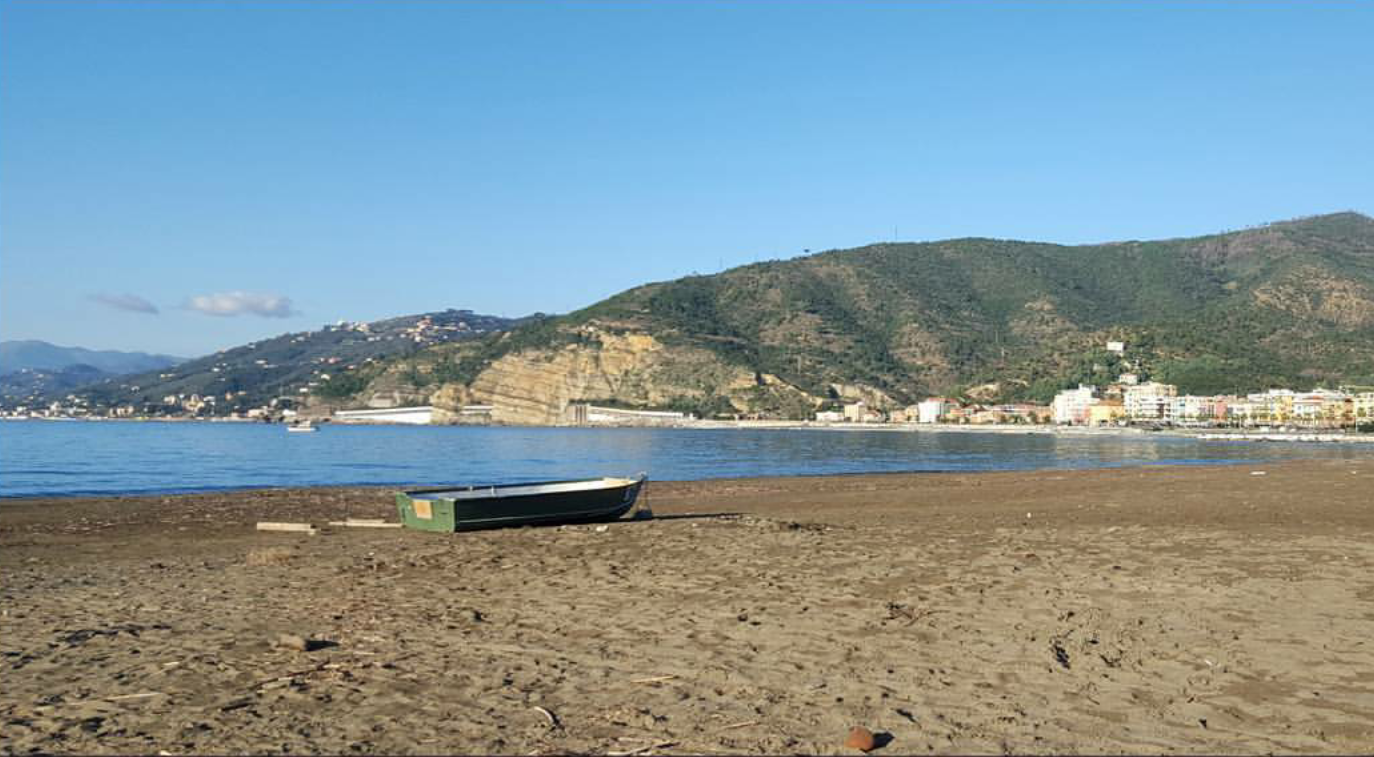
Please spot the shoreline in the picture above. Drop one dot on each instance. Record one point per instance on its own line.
(1205, 433)
(390, 488)
(866, 480)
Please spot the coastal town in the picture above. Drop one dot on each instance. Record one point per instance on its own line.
(1149, 403)
(1131, 401)
(1128, 402)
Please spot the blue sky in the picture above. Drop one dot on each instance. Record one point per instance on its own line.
(245, 169)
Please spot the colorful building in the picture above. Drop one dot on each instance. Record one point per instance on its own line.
(1106, 413)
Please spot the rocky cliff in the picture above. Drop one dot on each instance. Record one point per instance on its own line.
(627, 369)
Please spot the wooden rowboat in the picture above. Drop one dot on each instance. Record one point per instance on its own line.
(467, 508)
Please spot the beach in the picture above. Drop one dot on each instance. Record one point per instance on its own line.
(1169, 609)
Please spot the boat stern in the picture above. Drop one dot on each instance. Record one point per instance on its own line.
(425, 513)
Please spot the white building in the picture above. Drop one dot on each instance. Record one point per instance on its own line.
(1071, 405)
(933, 409)
(1151, 401)
(1117, 347)
(1193, 409)
(829, 416)
(417, 415)
(595, 415)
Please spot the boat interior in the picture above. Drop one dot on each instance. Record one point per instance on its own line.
(525, 490)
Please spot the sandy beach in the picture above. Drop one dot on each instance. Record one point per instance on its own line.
(1145, 610)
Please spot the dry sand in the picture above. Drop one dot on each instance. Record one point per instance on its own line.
(1135, 610)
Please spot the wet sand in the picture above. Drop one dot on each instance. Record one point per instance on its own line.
(1145, 610)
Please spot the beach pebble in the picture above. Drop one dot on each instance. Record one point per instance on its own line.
(860, 738)
(292, 641)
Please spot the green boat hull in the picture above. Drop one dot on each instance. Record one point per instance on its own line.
(450, 509)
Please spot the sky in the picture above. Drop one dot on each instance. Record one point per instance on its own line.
(185, 177)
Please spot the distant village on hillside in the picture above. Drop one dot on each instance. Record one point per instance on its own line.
(1130, 401)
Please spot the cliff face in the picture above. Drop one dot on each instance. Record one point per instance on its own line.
(536, 386)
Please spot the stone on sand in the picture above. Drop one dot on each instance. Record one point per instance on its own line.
(860, 738)
(292, 641)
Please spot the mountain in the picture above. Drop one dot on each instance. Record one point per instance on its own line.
(36, 355)
(1289, 303)
(327, 361)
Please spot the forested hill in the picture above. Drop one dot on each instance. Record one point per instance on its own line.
(292, 365)
(1290, 303)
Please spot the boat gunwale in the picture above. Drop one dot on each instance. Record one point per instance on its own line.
(526, 489)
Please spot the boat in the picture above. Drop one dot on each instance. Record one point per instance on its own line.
(468, 508)
(301, 427)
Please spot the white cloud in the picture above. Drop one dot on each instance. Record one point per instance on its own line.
(130, 302)
(227, 304)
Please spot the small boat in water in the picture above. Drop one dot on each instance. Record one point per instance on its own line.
(467, 508)
(301, 427)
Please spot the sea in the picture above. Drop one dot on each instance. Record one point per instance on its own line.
(71, 458)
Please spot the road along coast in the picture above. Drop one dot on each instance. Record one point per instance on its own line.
(1152, 610)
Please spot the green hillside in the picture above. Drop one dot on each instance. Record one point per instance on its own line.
(1289, 303)
(329, 362)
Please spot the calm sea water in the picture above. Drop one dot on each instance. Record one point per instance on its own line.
(69, 458)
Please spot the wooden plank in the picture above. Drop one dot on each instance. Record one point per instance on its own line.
(350, 523)
(304, 528)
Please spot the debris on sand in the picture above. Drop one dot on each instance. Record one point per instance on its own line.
(365, 523)
(554, 723)
(860, 738)
(1061, 655)
(301, 643)
(302, 528)
(270, 556)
